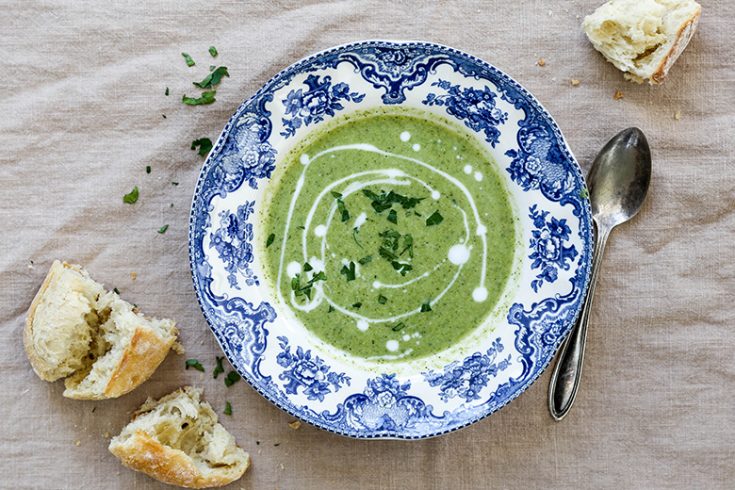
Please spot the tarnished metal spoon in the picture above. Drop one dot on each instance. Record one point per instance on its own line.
(618, 184)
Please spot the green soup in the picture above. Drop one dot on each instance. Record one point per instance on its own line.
(389, 234)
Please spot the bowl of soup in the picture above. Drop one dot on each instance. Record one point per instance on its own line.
(390, 239)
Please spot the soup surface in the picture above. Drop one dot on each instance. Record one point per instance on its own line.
(389, 234)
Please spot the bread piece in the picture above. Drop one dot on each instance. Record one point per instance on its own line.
(643, 38)
(177, 440)
(95, 339)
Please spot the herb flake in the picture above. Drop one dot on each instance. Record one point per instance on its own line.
(148, 169)
(425, 307)
(228, 408)
(270, 239)
(393, 216)
(213, 78)
(194, 363)
(204, 145)
(232, 378)
(365, 260)
(205, 99)
(219, 368)
(382, 299)
(434, 219)
(213, 52)
(132, 196)
(166, 92)
(348, 271)
(163, 229)
(189, 60)
(398, 326)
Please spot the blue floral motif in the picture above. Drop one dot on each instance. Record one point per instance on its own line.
(468, 378)
(475, 107)
(547, 246)
(232, 242)
(321, 99)
(309, 372)
(250, 156)
(384, 406)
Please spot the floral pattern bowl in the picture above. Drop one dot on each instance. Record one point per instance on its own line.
(420, 398)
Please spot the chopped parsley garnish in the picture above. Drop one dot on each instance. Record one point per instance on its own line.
(206, 98)
(434, 219)
(355, 232)
(163, 229)
(330, 309)
(194, 363)
(166, 92)
(213, 78)
(116, 291)
(357, 305)
(398, 326)
(407, 245)
(204, 144)
(301, 227)
(348, 271)
(147, 169)
(174, 183)
(188, 59)
(341, 206)
(381, 202)
(365, 260)
(219, 368)
(425, 307)
(402, 267)
(228, 408)
(232, 378)
(213, 51)
(270, 239)
(584, 193)
(132, 196)
(393, 216)
(382, 299)
(305, 290)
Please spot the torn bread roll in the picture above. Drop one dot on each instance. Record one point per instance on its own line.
(178, 440)
(643, 38)
(94, 339)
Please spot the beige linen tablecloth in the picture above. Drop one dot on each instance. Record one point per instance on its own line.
(81, 118)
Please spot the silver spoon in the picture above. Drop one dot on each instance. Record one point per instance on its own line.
(618, 183)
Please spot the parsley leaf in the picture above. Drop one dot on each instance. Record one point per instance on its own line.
(341, 206)
(219, 368)
(381, 202)
(206, 98)
(398, 326)
(393, 216)
(163, 229)
(401, 267)
(357, 305)
(407, 245)
(188, 59)
(348, 271)
(308, 267)
(194, 363)
(330, 309)
(365, 260)
(434, 219)
(166, 92)
(382, 299)
(213, 51)
(232, 378)
(228, 408)
(147, 169)
(204, 144)
(425, 307)
(213, 78)
(116, 291)
(132, 196)
(270, 239)
(305, 290)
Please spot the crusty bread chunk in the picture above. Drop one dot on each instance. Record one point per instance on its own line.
(94, 339)
(643, 38)
(177, 440)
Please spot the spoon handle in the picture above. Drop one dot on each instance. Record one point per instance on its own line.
(568, 370)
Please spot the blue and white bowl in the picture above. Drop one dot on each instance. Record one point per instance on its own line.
(424, 397)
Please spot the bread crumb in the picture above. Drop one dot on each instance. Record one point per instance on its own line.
(133, 276)
(574, 82)
(618, 94)
(541, 62)
(677, 115)
(106, 435)
(178, 348)
(77, 443)
(295, 425)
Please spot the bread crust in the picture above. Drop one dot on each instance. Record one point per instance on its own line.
(39, 365)
(683, 36)
(142, 356)
(143, 453)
